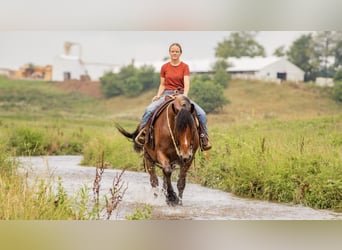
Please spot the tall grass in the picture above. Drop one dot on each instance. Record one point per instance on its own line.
(23, 200)
(285, 161)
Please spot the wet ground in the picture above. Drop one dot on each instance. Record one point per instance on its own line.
(199, 203)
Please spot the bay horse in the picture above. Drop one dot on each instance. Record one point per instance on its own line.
(172, 139)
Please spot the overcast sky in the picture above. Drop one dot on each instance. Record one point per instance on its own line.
(120, 47)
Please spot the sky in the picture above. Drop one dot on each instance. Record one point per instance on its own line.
(120, 47)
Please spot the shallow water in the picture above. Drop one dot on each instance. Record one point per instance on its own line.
(199, 203)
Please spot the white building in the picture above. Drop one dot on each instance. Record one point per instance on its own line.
(67, 67)
(265, 68)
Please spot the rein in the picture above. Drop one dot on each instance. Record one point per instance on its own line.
(170, 130)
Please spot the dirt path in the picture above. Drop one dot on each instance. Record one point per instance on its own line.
(199, 203)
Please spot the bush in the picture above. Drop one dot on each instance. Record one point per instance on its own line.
(338, 76)
(130, 81)
(337, 91)
(27, 141)
(208, 95)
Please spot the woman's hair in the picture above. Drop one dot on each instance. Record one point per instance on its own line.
(176, 44)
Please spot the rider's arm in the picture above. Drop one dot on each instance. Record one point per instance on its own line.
(186, 85)
(160, 90)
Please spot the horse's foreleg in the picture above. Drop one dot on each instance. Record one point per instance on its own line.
(171, 196)
(182, 181)
(152, 172)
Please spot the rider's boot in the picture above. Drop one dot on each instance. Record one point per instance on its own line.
(204, 141)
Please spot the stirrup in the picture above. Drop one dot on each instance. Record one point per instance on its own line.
(140, 138)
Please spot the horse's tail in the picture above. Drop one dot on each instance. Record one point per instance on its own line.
(131, 136)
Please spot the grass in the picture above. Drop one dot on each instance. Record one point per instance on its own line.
(295, 161)
(273, 142)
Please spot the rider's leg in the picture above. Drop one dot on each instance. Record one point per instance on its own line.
(204, 138)
(140, 138)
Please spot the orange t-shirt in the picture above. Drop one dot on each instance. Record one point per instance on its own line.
(174, 75)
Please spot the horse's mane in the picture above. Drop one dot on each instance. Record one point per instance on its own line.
(183, 119)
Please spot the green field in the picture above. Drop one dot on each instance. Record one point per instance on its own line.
(273, 142)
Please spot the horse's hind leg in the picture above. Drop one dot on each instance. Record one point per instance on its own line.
(182, 181)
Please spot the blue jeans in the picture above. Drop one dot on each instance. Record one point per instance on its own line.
(154, 105)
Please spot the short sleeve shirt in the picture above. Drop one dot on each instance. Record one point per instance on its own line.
(174, 75)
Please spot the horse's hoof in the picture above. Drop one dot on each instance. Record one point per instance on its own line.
(172, 199)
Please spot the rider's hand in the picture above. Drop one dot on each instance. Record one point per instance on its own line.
(155, 98)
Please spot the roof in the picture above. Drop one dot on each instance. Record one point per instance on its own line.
(251, 63)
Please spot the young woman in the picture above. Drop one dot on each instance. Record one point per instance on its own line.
(174, 76)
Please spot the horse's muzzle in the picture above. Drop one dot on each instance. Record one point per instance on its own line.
(186, 159)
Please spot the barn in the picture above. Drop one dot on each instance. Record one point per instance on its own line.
(66, 67)
(265, 68)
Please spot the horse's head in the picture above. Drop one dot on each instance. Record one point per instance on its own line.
(185, 130)
(182, 102)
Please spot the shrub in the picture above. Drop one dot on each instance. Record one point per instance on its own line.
(27, 141)
(208, 95)
(337, 91)
(338, 76)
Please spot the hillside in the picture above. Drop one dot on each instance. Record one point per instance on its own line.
(254, 100)
(250, 100)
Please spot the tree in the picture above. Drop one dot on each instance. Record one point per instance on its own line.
(337, 91)
(221, 76)
(324, 47)
(207, 94)
(302, 54)
(129, 81)
(338, 55)
(318, 54)
(148, 77)
(110, 85)
(280, 51)
(239, 44)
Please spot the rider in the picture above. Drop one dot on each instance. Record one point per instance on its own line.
(174, 75)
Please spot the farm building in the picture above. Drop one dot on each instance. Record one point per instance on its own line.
(66, 67)
(265, 68)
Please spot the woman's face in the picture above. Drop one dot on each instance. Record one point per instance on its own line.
(175, 52)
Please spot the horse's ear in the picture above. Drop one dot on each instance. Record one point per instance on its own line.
(192, 108)
(173, 108)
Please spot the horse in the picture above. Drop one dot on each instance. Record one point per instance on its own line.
(172, 139)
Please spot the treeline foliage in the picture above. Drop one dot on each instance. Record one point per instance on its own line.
(129, 81)
(319, 54)
(240, 44)
(337, 90)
